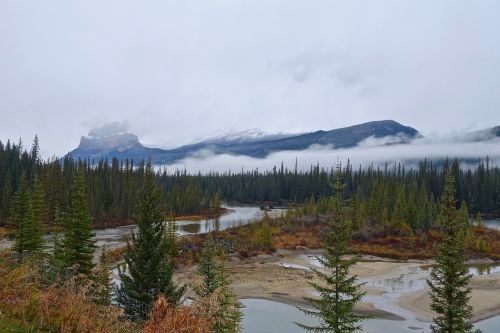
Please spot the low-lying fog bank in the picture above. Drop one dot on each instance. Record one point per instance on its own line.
(367, 153)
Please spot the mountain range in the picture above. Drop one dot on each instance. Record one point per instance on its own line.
(253, 143)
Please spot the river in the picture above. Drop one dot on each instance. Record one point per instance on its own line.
(493, 224)
(268, 316)
(262, 316)
(236, 215)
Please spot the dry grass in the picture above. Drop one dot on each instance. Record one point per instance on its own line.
(116, 254)
(185, 319)
(302, 233)
(28, 306)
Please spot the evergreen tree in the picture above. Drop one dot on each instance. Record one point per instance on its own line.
(215, 283)
(228, 317)
(216, 206)
(150, 267)
(28, 225)
(208, 269)
(20, 216)
(39, 213)
(449, 279)
(77, 246)
(57, 259)
(103, 280)
(339, 291)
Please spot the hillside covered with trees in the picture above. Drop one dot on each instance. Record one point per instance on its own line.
(393, 194)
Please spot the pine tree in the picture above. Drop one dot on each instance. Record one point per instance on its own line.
(215, 283)
(228, 317)
(103, 280)
(216, 207)
(28, 225)
(39, 213)
(57, 259)
(339, 291)
(20, 215)
(150, 267)
(208, 269)
(449, 279)
(78, 246)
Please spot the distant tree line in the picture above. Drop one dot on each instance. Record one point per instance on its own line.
(479, 186)
(393, 194)
(112, 187)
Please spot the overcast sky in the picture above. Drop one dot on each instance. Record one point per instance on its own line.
(182, 70)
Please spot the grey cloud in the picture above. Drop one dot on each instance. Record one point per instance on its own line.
(367, 153)
(109, 128)
(178, 70)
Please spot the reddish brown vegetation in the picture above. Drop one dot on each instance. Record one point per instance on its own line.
(27, 306)
(297, 234)
(185, 319)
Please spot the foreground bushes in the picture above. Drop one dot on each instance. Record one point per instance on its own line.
(29, 306)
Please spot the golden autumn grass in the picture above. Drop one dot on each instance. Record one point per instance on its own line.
(185, 319)
(26, 305)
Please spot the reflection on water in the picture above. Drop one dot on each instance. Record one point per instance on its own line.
(492, 224)
(196, 227)
(191, 228)
(267, 316)
(478, 269)
(484, 269)
(237, 215)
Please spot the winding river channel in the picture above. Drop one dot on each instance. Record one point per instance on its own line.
(237, 215)
(408, 279)
(270, 316)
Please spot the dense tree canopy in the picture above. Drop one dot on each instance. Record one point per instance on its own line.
(394, 194)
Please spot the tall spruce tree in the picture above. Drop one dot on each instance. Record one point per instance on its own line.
(449, 279)
(215, 283)
(150, 265)
(339, 291)
(28, 233)
(103, 280)
(208, 269)
(78, 247)
(39, 213)
(228, 317)
(19, 216)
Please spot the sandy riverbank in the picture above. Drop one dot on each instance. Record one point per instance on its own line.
(395, 290)
(485, 299)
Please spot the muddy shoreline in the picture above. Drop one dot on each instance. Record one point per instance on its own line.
(395, 290)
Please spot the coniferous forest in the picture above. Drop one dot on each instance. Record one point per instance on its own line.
(393, 211)
(390, 194)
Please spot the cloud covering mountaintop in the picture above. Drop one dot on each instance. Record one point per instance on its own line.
(373, 142)
(178, 70)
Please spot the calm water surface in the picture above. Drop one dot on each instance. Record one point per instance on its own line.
(493, 224)
(262, 316)
(237, 215)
